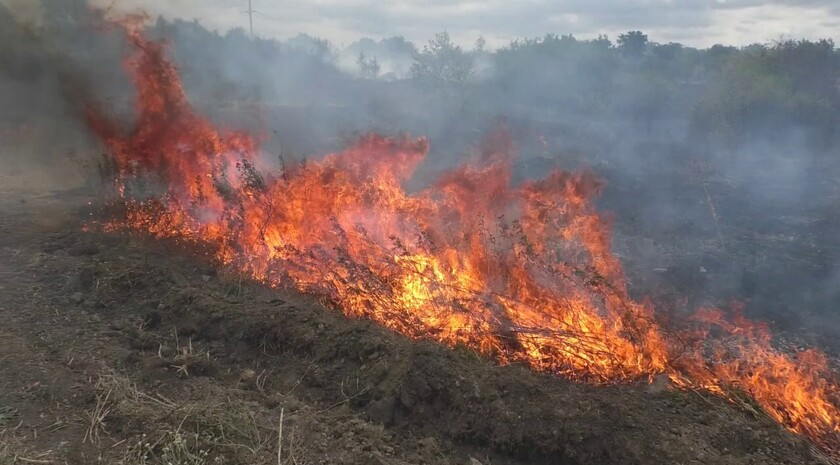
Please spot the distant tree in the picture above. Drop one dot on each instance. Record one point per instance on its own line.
(717, 55)
(238, 36)
(317, 47)
(399, 45)
(667, 52)
(441, 62)
(557, 71)
(813, 67)
(674, 62)
(480, 44)
(769, 91)
(368, 67)
(602, 41)
(633, 43)
(748, 95)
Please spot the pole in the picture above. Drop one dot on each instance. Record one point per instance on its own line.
(251, 18)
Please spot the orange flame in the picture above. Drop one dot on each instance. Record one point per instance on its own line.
(524, 273)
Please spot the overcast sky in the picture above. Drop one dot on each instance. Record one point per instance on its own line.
(698, 23)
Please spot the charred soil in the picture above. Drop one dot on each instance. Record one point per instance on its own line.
(120, 349)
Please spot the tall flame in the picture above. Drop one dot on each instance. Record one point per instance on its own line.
(524, 273)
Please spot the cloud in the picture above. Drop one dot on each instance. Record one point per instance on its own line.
(693, 22)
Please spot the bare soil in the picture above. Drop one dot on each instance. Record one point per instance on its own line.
(119, 349)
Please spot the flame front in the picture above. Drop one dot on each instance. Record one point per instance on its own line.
(523, 273)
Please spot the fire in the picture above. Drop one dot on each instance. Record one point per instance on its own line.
(521, 272)
(798, 391)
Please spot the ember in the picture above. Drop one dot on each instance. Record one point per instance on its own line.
(524, 273)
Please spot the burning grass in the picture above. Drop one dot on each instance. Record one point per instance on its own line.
(524, 273)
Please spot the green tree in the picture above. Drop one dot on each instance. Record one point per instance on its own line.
(442, 63)
(633, 43)
(770, 91)
(557, 72)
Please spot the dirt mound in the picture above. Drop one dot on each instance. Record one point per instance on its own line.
(142, 355)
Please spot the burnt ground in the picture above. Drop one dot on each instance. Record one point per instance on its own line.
(118, 349)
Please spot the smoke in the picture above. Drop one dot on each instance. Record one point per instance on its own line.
(710, 202)
(27, 13)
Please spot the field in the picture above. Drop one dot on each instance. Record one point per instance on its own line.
(180, 298)
(120, 349)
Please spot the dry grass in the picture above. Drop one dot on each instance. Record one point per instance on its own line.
(7, 414)
(97, 416)
(172, 448)
(10, 454)
(6, 457)
(195, 432)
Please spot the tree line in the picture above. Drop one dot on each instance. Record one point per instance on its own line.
(721, 95)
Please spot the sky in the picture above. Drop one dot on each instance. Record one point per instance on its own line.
(699, 23)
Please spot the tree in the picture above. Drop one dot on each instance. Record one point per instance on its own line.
(399, 45)
(633, 43)
(602, 42)
(317, 47)
(557, 72)
(368, 67)
(667, 52)
(480, 44)
(750, 95)
(441, 62)
(770, 91)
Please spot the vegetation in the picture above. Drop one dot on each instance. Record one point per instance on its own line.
(721, 95)
(441, 63)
